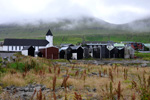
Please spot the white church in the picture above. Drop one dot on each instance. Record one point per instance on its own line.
(19, 44)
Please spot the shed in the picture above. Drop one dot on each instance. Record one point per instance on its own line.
(39, 54)
(28, 51)
(86, 52)
(101, 52)
(65, 53)
(50, 52)
(129, 51)
(96, 52)
(104, 51)
(119, 50)
(77, 52)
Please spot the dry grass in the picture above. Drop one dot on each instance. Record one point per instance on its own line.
(13, 79)
(119, 82)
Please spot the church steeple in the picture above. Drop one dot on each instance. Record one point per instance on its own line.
(49, 38)
(49, 33)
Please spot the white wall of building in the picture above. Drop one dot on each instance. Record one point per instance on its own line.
(5, 48)
(1, 48)
(12, 48)
(50, 40)
(19, 48)
(74, 55)
(24, 52)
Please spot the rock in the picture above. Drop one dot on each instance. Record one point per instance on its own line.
(64, 76)
(21, 89)
(144, 65)
(93, 73)
(31, 89)
(94, 89)
(25, 93)
(88, 89)
(8, 88)
(26, 89)
(70, 87)
(43, 88)
(110, 64)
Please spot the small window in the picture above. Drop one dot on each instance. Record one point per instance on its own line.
(16, 47)
(12, 47)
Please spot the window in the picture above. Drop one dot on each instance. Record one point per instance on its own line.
(12, 48)
(16, 47)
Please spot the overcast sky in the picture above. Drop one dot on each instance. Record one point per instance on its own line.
(113, 11)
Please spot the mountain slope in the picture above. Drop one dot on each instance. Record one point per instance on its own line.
(77, 30)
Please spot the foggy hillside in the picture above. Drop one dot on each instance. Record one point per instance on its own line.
(142, 25)
(84, 23)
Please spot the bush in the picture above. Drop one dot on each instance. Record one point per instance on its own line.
(22, 67)
(17, 66)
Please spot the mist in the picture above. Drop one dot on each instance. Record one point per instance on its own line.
(35, 11)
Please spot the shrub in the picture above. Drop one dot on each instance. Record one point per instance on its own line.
(17, 66)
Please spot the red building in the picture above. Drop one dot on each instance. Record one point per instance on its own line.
(137, 46)
(50, 52)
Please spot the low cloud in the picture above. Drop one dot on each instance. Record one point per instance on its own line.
(33, 11)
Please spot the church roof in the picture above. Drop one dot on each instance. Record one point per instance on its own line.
(49, 33)
(25, 42)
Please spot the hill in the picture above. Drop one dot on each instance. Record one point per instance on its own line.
(78, 30)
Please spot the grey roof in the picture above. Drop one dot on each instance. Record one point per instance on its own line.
(27, 47)
(66, 45)
(25, 42)
(49, 33)
(96, 42)
(75, 47)
(63, 48)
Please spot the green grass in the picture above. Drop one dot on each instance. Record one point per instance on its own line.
(144, 56)
(74, 36)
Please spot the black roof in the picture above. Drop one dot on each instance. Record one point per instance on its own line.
(49, 33)
(25, 42)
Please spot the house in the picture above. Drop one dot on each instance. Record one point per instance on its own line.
(50, 52)
(28, 51)
(19, 44)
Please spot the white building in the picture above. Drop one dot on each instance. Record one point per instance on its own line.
(19, 44)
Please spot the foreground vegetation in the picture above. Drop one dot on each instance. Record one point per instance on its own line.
(88, 81)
